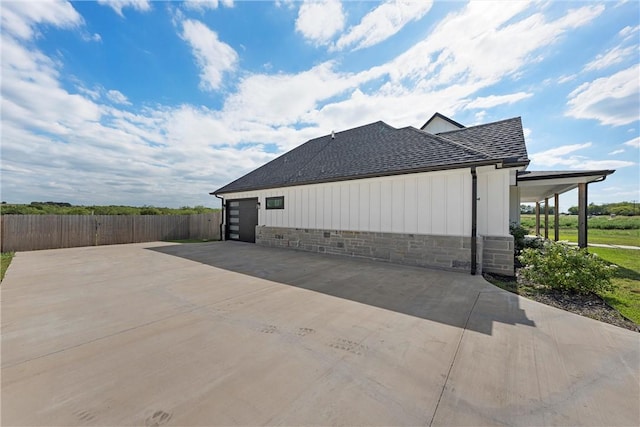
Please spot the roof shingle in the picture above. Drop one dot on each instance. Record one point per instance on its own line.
(378, 149)
(503, 139)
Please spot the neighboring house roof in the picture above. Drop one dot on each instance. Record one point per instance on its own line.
(378, 149)
(445, 118)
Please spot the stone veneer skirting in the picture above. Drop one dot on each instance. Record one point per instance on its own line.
(497, 255)
(446, 252)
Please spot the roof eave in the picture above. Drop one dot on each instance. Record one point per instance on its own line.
(377, 175)
(576, 174)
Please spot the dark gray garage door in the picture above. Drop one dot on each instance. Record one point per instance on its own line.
(242, 218)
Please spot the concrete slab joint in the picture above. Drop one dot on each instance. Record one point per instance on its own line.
(229, 333)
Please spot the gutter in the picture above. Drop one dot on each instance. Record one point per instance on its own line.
(222, 236)
(474, 219)
(363, 176)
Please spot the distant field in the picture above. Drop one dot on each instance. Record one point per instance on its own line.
(620, 230)
(599, 222)
(67, 209)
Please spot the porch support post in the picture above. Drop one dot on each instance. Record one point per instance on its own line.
(546, 218)
(537, 218)
(556, 217)
(582, 215)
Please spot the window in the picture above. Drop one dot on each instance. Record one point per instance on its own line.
(275, 202)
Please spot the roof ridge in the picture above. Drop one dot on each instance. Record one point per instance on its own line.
(332, 138)
(357, 127)
(449, 141)
(482, 125)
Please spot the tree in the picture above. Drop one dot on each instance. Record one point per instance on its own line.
(527, 209)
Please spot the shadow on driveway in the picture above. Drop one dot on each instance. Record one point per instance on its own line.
(441, 296)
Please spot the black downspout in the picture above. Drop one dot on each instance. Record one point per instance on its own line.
(222, 236)
(474, 219)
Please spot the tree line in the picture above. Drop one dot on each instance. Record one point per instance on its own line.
(620, 208)
(63, 208)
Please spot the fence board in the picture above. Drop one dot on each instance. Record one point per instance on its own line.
(33, 232)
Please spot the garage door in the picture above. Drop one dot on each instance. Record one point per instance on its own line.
(242, 218)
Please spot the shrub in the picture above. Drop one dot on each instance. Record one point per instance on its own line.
(148, 210)
(518, 232)
(566, 268)
(535, 242)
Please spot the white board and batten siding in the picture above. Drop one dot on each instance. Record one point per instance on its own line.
(437, 203)
(493, 201)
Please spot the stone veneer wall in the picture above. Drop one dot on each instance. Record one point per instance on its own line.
(447, 252)
(497, 255)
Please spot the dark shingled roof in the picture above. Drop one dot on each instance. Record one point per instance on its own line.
(498, 139)
(378, 149)
(445, 118)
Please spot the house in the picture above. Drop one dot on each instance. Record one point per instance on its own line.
(440, 196)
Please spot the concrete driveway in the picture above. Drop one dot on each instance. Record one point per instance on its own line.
(235, 334)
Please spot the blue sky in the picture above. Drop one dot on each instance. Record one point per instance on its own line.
(159, 103)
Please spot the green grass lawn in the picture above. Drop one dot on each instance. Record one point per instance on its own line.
(595, 235)
(626, 297)
(5, 260)
(618, 230)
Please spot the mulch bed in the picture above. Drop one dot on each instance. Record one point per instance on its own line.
(588, 305)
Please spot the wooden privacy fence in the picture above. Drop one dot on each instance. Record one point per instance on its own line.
(32, 232)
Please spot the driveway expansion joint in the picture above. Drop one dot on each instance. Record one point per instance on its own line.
(453, 360)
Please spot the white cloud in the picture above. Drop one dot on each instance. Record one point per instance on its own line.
(383, 22)
(319, 20)
(601, 164)
(564, 156)
(202, 5)
(32, 95)
(92, 38)
(612, 100)
(495, 100)
(476, 57)
(287, 99)
(117, 97)
(118, 5)
(635, 142)
(480, 116)
(614, 152)
(176, 155)
(627, 32)
(565, 79)
(289, 4)
(554, 156)
(213, 56)
(612, 57)
(21, 18)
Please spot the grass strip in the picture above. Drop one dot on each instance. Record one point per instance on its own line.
(5, 260)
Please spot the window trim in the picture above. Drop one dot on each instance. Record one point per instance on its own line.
(267, 199)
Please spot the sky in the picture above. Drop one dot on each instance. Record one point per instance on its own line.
(138, 102)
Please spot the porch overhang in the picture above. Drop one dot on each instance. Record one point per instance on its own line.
(536, 186)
